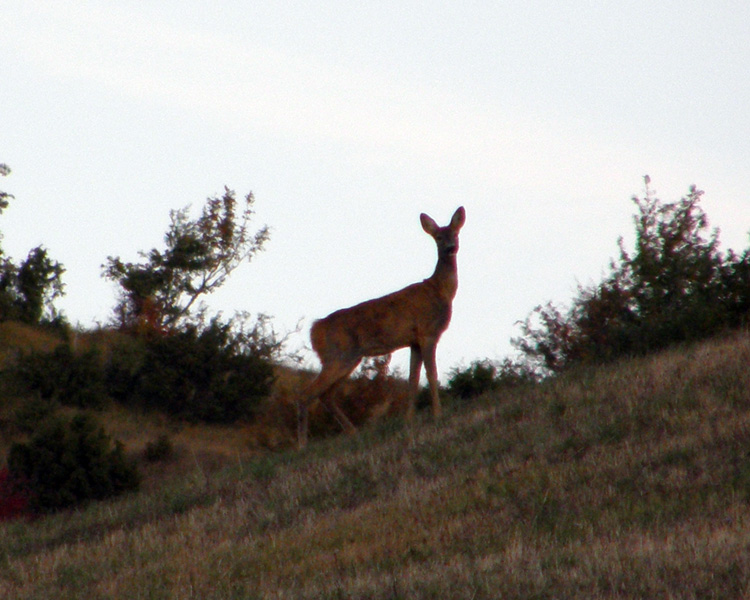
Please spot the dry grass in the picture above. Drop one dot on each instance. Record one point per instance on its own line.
(16, 337)
(631, 481)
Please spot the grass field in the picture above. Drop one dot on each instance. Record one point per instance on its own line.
(626, 481)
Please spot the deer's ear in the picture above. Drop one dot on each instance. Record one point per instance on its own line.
(459, 217)
(428, 224)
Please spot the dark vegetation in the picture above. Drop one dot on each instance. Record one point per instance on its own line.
(28, 289)
(69, 462)
(675, 286)
(162, 353)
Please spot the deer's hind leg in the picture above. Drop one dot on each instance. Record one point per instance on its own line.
(331, 373)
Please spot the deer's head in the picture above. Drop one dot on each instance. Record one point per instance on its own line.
(446, 237)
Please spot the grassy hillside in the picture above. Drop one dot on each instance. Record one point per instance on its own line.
(630, 481)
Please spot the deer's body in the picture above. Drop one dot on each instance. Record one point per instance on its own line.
(414, 317)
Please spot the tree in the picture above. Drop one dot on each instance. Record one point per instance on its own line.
(4, 171)
(158, 293)
(28, 290)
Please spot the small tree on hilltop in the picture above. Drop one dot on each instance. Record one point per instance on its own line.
(161, 291)
(28, 290)
(182, 362)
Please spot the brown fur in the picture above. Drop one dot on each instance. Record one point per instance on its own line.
(414, 317)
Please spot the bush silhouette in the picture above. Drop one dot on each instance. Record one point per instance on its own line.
(478, 378)
(69, 462)
(73, 379)
(674, 286)
(212, 374)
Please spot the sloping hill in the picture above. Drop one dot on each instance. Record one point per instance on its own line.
(629, 481)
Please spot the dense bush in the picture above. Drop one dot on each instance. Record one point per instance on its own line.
(32, 412)
(65, 376)
(28, 290)
(675, 286)
(68, 462)
(478, 378)
(214, 373)
(485, 376)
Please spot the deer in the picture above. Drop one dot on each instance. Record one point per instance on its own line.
(414, 317)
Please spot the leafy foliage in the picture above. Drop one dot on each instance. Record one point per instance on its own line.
(478, 378)
(215, 373)
(675, 286)
(4, 171)
(159, 293)
(483, 376)
(29, 289)
(179, 362)
(73, 379)
(67, 463)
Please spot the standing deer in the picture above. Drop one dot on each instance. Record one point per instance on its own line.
(413, 317)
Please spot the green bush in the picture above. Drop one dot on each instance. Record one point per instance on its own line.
(32, 412)
(69, 462)
(674, 286)
(73, 379)
(485, 376)
(213, 373)
(478, 378)
(28, 290)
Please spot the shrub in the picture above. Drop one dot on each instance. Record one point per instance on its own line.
(73, 379)
(214, 373)
(675, 286)
(485, 376)
(28, 290)
(478, 378)
(68, 462)
(32, 412)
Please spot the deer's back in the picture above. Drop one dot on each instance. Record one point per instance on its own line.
(404, 318)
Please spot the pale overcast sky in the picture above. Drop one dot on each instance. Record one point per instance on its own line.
(347, 120)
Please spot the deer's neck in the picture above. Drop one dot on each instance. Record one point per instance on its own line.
(445, 276)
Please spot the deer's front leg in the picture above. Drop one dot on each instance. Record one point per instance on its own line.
(430, 367)
(415, 367)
